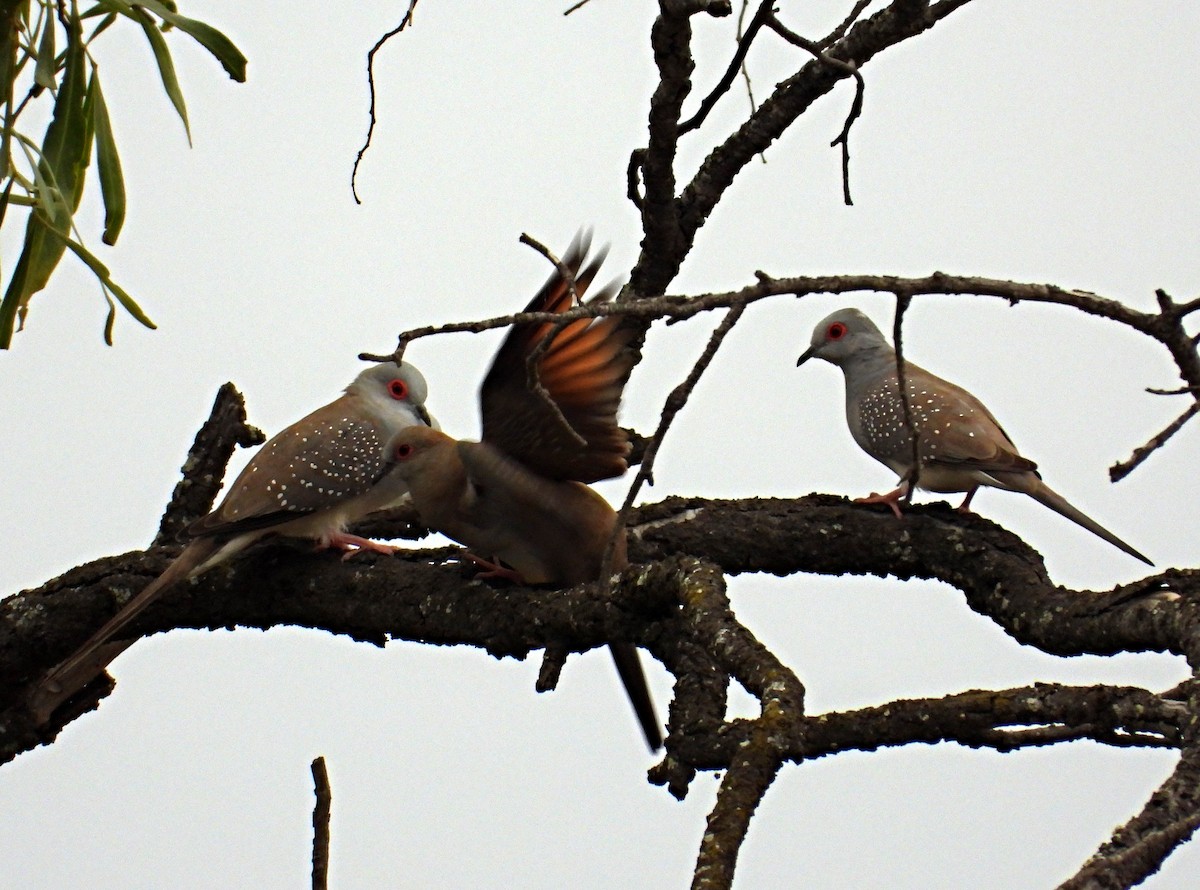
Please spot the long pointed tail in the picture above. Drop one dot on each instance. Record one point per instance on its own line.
(1043, 494)
(86, 662)
(625, 657)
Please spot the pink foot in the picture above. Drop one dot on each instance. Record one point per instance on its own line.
(892, 499)
(493, 569)
(352, 544)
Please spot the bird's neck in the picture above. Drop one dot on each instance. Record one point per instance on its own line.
(868, 367)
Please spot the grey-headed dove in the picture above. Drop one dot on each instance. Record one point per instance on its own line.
(960, 444)
(311, 480)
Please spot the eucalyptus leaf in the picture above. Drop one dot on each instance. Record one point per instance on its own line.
(108, 162)
(210, 38)
(46, 68)
(166, 67)
(59, 174)
(105, 277)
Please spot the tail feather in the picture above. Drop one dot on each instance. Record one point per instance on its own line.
(86, 662)
(1047, 496)
(625, 657)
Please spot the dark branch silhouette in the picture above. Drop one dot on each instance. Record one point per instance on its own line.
(672, 600)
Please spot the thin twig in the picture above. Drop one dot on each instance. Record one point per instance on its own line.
(745, 69)
(1179, 391)
(533, 378)
(903, 300)
(761, 15)
(856, 106)
(840, 31)
(321, 810)
(1120, 470)
(404, 23)
(673, 405)
(684, 306)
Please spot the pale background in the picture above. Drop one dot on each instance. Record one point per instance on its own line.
(1033, 141)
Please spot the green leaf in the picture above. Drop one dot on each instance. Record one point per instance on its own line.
(105, 277)
(210, 38)
(44, 71)
(112, 182)
(162, 54)
(110, 319)
(9, 45)
(65, 153)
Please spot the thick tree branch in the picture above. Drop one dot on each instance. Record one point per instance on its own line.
(662, 256)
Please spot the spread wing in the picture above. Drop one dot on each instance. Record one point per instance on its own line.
(573, 434)
(327, 457)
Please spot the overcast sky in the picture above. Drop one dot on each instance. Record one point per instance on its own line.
(1038, 142)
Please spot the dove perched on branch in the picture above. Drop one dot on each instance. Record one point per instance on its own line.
(312, 480)
(960, 444)
(519, 495)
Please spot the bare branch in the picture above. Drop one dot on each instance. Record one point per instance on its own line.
(673, 405)
(737, 63)
(404, 23)
(1119, 471)
(321, 810)
(840, 31)
(850, 68)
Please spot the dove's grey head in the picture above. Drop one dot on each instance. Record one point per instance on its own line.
(393, 392)
(845, 337)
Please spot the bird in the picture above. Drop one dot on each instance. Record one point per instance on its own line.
(959, 444)
(311, 480)
(520, 494)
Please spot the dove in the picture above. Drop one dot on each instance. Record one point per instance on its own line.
(311, 480)
(520, 494)
(961, 446)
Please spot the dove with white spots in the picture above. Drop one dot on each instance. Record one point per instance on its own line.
(312, 480)
(959, 445)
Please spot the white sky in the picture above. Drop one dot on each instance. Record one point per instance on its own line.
(1040, 142)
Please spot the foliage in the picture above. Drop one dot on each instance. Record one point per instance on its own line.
(48, 179)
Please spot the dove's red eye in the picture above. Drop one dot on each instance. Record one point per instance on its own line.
(398, 390)
(404, 451)
(836, 331)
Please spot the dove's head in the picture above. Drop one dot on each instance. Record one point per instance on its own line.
(845, 336)
(395, 393)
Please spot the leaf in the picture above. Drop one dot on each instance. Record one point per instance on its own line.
(44, 71)
(112, 181)
(210, 38)
(162, 55)
(65, 152)
(105, 277)
(110, 319)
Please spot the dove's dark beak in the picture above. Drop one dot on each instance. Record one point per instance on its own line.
(808, 353)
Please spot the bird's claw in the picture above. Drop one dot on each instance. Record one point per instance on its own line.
(352, 544)
(892, 499)
(492, 568)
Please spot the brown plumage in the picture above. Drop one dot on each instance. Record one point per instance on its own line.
(960, 446)
(520, 494)
(311, 480)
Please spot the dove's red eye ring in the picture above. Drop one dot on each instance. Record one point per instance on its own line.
(836, 331)
(398, 390)
(404, 451)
